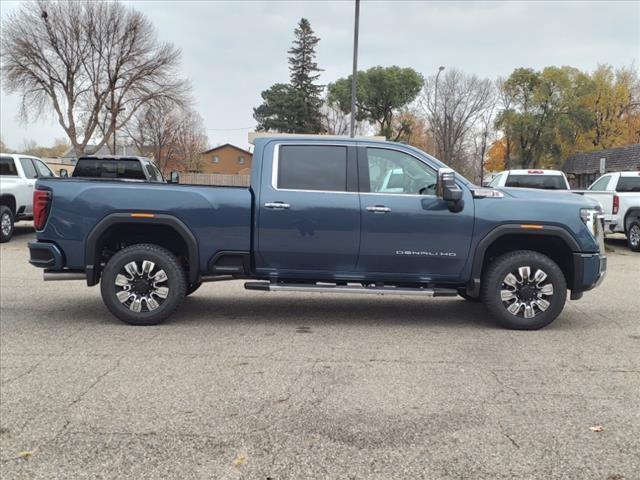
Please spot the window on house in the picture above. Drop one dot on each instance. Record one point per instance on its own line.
(240, 160)
(215, 159)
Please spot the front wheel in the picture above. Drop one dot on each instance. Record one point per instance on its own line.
(524, 290)
(633, 236)
(143, 284)
(6, 224)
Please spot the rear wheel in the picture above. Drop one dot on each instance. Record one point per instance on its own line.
(143, 284)
(524, 290)
(633, 236)
(6, 224)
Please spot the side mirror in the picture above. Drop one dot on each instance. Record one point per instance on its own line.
(174, 177)
(448, 190)
(64, 173)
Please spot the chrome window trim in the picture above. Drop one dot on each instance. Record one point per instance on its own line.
(275, 165)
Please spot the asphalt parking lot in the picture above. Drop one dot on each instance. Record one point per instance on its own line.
(286, 386)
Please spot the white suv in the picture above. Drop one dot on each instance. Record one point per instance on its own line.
(18, 175)
(545, 179)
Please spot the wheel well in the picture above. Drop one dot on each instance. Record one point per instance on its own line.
(632, 214)
(121, 235)
(9, 201)
(552, 246)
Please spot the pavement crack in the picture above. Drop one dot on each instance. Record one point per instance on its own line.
(98, 380)
(24, 374)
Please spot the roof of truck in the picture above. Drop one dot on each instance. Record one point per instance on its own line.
(534, 171)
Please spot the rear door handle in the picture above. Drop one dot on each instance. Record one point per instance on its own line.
(277, 205)
(378, 209)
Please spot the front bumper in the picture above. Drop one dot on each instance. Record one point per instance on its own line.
(589, 270)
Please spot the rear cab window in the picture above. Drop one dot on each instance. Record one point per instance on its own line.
(311, 167)
(8, 167)
(108, 168)
(545, 182)
(628, 184)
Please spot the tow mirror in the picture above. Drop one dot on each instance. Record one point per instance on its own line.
(448, 190)
(64, 173)
(174, 177)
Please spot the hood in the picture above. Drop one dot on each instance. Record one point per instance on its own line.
(566, 197)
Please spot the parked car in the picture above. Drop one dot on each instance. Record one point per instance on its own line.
(619, 195)
(315, 220)
(18, 175)
(114, 167)
(544, 179)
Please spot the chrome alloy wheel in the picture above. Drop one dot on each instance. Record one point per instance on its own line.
(5, 224)
(634, 235)
(525, 295)
(141, 289)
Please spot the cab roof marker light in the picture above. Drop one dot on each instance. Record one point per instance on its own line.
(531, 227)
(142, 215)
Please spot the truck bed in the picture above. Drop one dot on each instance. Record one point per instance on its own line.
(218, 216)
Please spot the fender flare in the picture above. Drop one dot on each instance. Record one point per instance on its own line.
(90, 255)
(511, 229)
(635, 211)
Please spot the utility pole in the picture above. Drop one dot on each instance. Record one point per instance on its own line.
(355, 69)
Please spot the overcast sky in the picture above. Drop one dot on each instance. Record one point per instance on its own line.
(235, 49)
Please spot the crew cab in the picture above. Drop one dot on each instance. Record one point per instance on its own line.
(619, 195)
(117, 167)
(315, 219)
(544, 179)
(18, 175)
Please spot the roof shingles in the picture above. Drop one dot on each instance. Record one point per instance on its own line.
(617, 159)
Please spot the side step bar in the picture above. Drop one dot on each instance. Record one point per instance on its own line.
(354, 289)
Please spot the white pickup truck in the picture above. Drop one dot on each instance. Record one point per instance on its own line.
(18, 175)
(619, 195)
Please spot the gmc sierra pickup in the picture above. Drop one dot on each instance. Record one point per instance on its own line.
(320, 217)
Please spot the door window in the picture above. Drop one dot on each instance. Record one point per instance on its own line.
(396, 172)
(43, 170)
(29, 169)
(601, 184)
(312, 167)
(496, 180)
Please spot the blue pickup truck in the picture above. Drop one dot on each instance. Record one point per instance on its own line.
(321, 216)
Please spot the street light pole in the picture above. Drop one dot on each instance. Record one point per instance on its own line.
(355, 69)
(435, 106)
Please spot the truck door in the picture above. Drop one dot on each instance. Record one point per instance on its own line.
(406, 230)
(31, 175)
(309, 210)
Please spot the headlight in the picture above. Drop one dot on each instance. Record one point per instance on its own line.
(593, 219)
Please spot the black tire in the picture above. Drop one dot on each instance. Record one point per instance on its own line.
(6, 224)
(192, 288)
(143, 288)
(469, 298)
(530, 294)
(633, 237)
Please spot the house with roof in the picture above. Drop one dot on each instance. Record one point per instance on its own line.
(226, 159)
(583, 168)
(104, 150)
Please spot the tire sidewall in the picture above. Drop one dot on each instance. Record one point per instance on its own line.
(633, 248)
(176, 283)
(6, 211)
(510, 262)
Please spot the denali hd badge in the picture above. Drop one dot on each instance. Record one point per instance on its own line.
(426, 254)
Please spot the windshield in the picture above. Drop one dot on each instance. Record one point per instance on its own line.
(109, 168)
(546, 182)
(628, 184)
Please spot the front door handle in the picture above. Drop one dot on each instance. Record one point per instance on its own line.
(378, 209)
(277, 205)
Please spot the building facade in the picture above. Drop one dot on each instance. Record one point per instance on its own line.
(583, 168)
(226, 159)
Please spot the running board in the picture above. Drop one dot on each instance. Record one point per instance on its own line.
(302, 287)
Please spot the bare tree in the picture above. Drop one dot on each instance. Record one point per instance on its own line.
(93, 63)
(461, 101)
(190, 141)
(153, 132)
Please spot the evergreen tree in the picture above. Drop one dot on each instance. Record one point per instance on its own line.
(295, 107)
